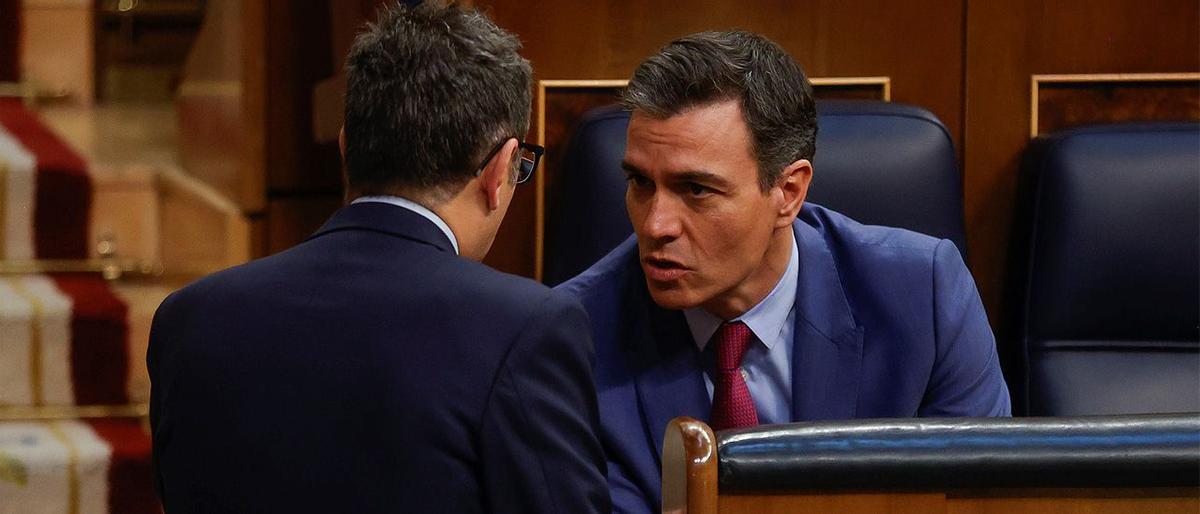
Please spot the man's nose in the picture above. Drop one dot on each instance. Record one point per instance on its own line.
(662, 220)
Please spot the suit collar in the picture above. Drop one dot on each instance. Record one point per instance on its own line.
(827, 342)
(820, 297)
(387, 219)
(417, 208)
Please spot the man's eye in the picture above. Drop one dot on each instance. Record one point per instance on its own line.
(697, 189)
(637, 180)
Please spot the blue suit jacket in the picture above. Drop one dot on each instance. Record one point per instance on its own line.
(370, 369)
(888, 324)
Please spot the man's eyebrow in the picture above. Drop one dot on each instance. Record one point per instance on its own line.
(706, 177)
(702, 176)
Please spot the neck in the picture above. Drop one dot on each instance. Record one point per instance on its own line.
(461, 225)
(759, 283)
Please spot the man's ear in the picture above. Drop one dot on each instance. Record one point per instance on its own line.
(793, 189)
(497, 173)
(342, 142)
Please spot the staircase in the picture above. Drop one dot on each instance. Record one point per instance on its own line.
(84, 243)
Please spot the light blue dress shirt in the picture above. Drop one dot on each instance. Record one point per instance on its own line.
(767, 365)
(417, 208)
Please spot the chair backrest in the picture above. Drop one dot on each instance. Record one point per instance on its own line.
(1145, 463)
(878, 162)
(1110, 320)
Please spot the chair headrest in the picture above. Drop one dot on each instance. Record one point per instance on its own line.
(883, 163)
(1116, 234)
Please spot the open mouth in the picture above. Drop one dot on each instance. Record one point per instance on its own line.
(663, 270)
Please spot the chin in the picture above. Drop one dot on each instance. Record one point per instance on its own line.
(673, 298)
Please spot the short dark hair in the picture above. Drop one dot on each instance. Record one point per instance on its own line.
(429, 90)
(708, 67)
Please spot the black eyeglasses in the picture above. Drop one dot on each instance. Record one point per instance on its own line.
(530, 155)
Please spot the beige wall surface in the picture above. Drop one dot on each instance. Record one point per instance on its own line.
(57, 47)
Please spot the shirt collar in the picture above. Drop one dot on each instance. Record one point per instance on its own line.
(417, 208)
(765, 319)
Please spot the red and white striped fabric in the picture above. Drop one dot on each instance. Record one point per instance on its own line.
(75, 467)
(63, 339)
(35, 342)
(45, 188)
(17, 171)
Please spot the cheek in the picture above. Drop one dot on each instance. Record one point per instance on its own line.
(733, 239)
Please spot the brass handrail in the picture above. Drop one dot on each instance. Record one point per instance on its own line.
(110, 269)
(32, 93)
(47, 412)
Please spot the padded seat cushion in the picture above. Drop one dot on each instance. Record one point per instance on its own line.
(1112, 314)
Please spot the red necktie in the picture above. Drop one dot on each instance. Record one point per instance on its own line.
(732, 406)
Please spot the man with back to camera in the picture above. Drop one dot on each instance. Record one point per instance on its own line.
(738, 304)
(371, 368)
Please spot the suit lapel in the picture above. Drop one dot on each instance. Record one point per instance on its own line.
(827, 347)
(668, 367)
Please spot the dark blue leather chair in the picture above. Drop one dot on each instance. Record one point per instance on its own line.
(1110, 319)
(877, 162)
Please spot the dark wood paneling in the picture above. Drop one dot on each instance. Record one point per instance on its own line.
(215, 131)
(919, 45)
(849, 92)
(140, 50)
(10, 40)
(1063, 104)
(1008, 42)
(515, 250)
(258, 235)
(212, 132)
(298, 57)
(301, 178)
(290, 220)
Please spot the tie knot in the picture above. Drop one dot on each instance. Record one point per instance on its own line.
(733, 339)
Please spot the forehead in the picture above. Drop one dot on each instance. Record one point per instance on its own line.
(703, 137)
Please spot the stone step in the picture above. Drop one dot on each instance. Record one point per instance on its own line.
(76, 466)
(74, 340)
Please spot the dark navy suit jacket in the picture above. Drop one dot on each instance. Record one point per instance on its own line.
(370, 369)
(888, 324)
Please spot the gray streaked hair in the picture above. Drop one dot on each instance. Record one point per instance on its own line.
(430, 90)
(708, 67)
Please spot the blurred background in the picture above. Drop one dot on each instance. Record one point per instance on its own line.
(244, 96)
(167, 139)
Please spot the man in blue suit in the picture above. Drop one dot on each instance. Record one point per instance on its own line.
(739, 304)
(378, 367)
